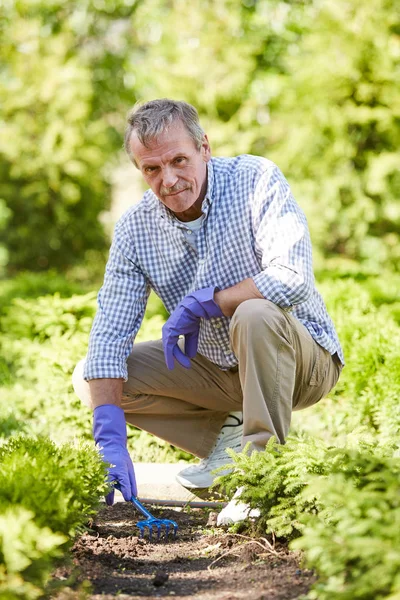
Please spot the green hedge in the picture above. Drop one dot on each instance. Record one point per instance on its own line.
(340, 505)
(47, 494)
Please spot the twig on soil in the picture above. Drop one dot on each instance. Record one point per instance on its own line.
(266, 546)
(227, 553)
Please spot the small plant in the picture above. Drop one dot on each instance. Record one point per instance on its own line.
(272, 482)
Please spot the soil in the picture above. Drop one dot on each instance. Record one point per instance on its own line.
(203, 562)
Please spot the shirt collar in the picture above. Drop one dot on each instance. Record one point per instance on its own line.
(210, 182)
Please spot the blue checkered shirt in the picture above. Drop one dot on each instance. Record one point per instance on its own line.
(252, 228)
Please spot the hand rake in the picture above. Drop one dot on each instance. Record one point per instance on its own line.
(152, 522)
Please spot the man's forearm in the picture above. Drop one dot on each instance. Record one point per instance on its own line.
(229, 299)
(105, 391)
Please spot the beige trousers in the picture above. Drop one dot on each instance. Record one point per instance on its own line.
(281, 369)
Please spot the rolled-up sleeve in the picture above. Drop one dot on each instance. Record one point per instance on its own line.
(282, 241)
(121, 306)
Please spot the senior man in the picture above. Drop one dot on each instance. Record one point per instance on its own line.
(224, 245)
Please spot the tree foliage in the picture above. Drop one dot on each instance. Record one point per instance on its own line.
(341, 106)
(61, 73)
(311, 84)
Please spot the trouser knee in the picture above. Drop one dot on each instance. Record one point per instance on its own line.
(259, 318)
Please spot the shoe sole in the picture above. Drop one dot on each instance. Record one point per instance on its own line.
(192, 486)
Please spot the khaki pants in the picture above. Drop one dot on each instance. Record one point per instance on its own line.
(281, 368)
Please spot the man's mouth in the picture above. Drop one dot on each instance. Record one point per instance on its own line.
(176, 192)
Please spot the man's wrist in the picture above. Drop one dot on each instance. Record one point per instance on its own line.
(106, 391)
(229, 299)
(221, 298)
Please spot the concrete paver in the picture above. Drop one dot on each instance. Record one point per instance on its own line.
(156, 481)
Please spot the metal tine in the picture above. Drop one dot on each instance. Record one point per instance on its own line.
(175, 525)
(168, 524)
(151, 521)
(141, 528)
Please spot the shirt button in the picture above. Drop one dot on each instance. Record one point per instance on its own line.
(218, 325)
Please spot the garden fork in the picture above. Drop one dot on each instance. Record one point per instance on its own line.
(151, 522)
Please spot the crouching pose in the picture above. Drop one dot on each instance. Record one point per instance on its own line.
(224, 245)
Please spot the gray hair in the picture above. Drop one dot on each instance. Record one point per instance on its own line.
(151, 119)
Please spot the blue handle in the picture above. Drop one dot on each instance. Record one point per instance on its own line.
(141, 508)
(136, 503)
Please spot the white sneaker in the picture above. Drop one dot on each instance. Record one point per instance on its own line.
(235, 512)
(230, 436)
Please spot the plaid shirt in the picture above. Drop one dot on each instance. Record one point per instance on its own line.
(252, 228)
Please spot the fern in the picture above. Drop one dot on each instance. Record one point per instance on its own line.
(354, 540)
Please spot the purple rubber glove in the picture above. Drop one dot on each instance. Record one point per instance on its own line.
(109, 431)
(185, 320)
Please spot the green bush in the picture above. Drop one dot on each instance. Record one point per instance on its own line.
(353, 542)
(47, 494)
(61, 485)
(27, 554)
(272, 482)
(41, 340)
(50, 316)
(365, 313)
(341, 503)
(59, 128)
(27, 285)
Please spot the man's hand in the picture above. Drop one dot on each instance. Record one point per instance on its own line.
(185, 320)
(109, 431)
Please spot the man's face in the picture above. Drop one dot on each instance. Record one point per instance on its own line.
(175, 170)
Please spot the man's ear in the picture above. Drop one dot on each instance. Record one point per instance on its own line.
(205, 149)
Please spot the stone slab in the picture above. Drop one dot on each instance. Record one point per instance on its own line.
(157, 481)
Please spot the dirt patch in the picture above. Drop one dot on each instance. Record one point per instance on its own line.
(201, 563)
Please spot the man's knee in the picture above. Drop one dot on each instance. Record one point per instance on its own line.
(81, 387)
(256, 311)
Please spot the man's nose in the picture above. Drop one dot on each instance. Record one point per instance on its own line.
(169, 178)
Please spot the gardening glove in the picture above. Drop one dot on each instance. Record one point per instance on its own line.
(109, 431)
(185, 320)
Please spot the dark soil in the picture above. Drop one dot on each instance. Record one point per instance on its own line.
(203, 562)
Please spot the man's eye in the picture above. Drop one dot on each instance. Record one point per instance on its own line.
(179, 160)
(149, 170)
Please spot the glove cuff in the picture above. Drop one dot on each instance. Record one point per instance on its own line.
(109, 409)
(206, 299)
(109, 425)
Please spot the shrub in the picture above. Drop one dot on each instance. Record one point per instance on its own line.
(27, 554)
(341, 503)
(47, 494)
(59, 485)
(353, 542)
(365, 313)
(50, 316)
(272, 482)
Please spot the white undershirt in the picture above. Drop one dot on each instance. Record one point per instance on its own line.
(191, 230)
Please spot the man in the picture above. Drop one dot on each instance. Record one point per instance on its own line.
(223, 243)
